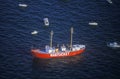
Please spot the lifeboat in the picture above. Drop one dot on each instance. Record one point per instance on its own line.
(56, 52)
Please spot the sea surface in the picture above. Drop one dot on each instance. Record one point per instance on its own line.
(97, 62)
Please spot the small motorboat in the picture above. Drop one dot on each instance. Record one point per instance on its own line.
(110, 1)
(46, 21)
(34, 32)
(113, 45)
(23, 5)
(54, 52)
(93, 23)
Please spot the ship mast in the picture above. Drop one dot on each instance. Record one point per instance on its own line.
(51, 36)
(71, 38)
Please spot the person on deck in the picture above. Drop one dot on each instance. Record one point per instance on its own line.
(63, 48)
(57, 48)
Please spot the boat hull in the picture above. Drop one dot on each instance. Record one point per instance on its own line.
(39, 54)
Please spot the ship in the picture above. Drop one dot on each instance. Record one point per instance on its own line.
(59, 51)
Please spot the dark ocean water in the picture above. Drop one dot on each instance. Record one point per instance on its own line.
(97, 62)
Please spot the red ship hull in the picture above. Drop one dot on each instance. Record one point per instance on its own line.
(39, 54)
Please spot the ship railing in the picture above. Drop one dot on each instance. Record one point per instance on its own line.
(78, 47)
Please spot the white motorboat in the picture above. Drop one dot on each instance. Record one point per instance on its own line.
(93, 23)
(23, 5)
(34, 32)
(110, 1)
(46, 21)
(113, 45)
